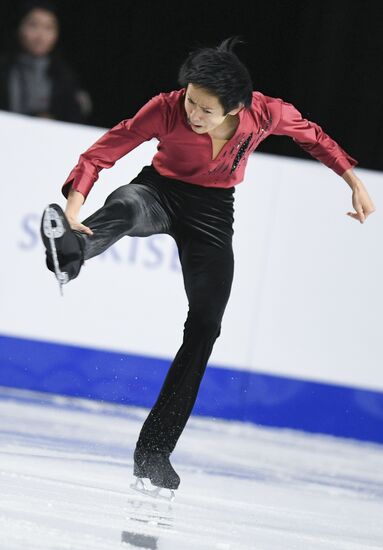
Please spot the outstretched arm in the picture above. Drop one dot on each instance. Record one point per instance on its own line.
(361, 200)
(321, 146)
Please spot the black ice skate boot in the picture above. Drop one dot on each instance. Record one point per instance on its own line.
(64, 252)
(155, 465)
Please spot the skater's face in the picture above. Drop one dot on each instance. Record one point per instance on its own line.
(204, 110)
(38, 32)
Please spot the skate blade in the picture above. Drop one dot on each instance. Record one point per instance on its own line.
(52, 224)
(139, 486)
(53, 229)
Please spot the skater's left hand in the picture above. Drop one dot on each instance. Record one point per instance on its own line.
(362, 204)
(361, 200)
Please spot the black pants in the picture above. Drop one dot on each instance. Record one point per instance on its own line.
(200, 220)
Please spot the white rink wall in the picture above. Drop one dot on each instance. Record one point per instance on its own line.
(307, 297)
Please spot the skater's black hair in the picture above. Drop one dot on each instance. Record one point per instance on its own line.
(219, 71)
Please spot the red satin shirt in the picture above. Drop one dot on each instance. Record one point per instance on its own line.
(185, 155)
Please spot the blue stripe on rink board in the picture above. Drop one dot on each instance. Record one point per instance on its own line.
(225, 393)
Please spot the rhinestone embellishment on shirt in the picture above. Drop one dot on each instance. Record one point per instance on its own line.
(241, 152)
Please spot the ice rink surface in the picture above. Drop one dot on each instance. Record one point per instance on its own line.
(66, 469)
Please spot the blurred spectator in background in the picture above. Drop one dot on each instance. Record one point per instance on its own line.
(34, 78)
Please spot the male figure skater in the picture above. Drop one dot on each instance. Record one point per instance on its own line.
(206, 132)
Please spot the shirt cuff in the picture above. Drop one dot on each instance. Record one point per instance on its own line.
(344, 164)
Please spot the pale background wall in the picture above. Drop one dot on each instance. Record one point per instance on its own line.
(307, 298)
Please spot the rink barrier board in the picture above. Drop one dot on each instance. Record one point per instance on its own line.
(225, 393)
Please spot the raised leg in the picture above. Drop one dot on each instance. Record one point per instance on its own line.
(134, 209)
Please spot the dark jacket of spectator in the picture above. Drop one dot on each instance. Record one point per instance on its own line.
(34, 79)
(41, 87)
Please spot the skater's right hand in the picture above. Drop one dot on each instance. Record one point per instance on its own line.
(75, 201)
(76, 225)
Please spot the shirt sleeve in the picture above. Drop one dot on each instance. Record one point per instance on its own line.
(312, 139)
(149, 122)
